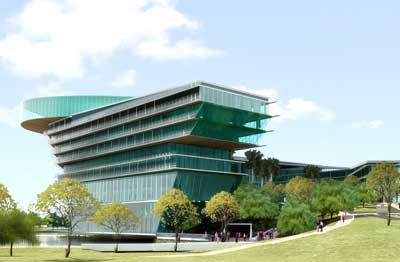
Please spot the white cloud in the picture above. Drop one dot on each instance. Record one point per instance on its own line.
(10, 116)
(125, 79)
(294, 108)
(59, 37)
(374, 124)
(299, 107)
(183, 49)
(52, 88)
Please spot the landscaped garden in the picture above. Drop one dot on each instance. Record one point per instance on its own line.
(366, 239)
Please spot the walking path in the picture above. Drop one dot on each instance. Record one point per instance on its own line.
(267, 242)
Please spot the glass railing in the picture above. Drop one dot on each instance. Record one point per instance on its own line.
(144, 113)
(171, 161)
(123, 133)
(77, 156)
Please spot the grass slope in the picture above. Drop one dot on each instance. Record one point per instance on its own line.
(366, 239)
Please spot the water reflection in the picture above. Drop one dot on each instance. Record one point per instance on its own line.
(51, 239)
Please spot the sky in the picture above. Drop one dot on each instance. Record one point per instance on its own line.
(333, 68)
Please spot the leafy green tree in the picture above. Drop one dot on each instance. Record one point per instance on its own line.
(295, 218)
(332, 196)
(300, 189)
(6, 201)
(54, 220)
(256, 204)
(177, 212)
(222, 208)
(16, 225)
(312, 171)
(71, 201)
(348, 196)
(326, 198)
(352, 180)
(385, 180)
(116, 217)
(365, 194)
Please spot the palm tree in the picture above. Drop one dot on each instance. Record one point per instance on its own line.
(312, 172)
(271, 168)
(254, 158)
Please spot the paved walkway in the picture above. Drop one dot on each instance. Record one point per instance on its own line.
(263, 243)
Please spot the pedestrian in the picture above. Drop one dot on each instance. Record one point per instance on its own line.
(237, 235)
(216, 237)
(321, 226)
(244, 236)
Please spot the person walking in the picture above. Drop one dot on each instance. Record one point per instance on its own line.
(216, 239)
(237, 235)
(321, 226)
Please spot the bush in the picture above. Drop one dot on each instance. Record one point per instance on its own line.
(295, 219)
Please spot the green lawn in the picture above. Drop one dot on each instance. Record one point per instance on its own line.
(366, 208)
(367, 239)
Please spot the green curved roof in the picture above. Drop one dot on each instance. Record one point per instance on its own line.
(37, 113)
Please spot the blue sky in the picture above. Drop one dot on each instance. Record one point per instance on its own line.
(334, 68)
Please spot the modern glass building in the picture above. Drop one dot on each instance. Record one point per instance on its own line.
(133, 150)
(289, 170)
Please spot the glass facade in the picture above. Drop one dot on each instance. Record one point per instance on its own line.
(338, 173)
(137, 149)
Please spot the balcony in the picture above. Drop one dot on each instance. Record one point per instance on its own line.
(171, 105)
(123, 133)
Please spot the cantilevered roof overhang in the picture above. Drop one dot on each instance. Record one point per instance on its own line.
(37, 113)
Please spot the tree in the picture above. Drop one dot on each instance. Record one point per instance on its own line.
(385, 180)
(6, 201)
(54, 220)
(256, 204)
(326, 200)
(176, 212)
(365, 194)
(349, 197)
(222, 208)
(332, 196)
(71, 201)
(116, 217)
(16, 225)
(254, 158)
(300, 189)
(312, 172)
(295, 218)
(269, 168)
(352, 180)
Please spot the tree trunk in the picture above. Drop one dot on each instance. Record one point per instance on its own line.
(68, 250)
(390, 212)
(11, 248)
(118, 238)
(176, 240)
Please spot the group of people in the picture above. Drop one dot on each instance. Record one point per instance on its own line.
(224, 237)
(263, 235)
